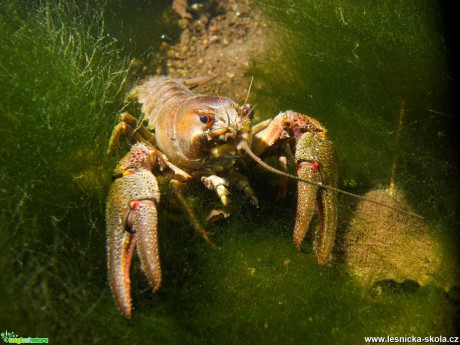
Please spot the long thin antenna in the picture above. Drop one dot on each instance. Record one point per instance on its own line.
(198, 81)
(249, 91)
(245, 147)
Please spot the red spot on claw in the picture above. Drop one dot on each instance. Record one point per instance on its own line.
(315, 165)
(135, 204)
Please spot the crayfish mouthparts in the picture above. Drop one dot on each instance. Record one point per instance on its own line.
(223, 134)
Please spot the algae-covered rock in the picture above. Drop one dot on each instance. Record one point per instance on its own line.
(385, 244)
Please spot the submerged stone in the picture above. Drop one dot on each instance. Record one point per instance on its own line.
(384, 244)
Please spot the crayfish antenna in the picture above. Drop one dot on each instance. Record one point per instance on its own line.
(244, 145)
(249, 91)
(198, 81)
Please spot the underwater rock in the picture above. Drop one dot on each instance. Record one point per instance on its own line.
(180, 7)
(384, 244)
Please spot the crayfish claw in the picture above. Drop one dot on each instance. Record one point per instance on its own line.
(132, 221)
(317, 162)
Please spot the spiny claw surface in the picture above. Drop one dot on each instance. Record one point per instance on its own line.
(317, 162)
(132, 220)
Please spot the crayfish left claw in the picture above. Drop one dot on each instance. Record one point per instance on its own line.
(317, 162)
(132, 220)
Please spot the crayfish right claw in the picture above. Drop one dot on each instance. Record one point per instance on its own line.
(132, 220)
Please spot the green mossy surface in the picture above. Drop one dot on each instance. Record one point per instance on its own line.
(61, 86)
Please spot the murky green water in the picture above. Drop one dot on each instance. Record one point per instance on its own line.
(348, 64)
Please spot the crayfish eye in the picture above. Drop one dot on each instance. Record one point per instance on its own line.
(246, 110)
(204, 118)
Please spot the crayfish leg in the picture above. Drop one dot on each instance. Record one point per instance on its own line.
(130, 127)
(177, 187)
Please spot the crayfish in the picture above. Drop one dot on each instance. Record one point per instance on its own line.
(192, 137)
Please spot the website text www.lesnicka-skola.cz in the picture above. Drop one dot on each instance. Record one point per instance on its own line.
(411, 339)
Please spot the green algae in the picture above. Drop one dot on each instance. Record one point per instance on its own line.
(57, 110)
(270, 294)
(62, 79)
